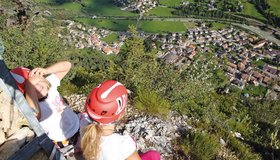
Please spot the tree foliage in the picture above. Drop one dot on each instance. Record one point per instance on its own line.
(38, 47)
(89, 69)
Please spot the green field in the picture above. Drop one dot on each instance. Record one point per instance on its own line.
(105, 8)
(162, 26)
(250, 9)
(274, 6)
(147, 26)
(217, 26)
(171, 3)
(64, 10)
(114, 25)
(190, 25)
(161, 12)
(113, 37)
(92, 7)
(43, 1)
(259, 63)
(74, 7)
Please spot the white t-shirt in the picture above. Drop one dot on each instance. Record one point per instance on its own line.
(114, 146)
(57, 118)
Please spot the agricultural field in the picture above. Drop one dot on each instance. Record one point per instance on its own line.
(161, 12)
(74, 7)
(113, 37)
(259, 63)
(162, 26)
(114, 25)
(170, 3)
(105, 8)
(145, 25)
(217, 26)
(190, 25)
(64, 10)
(250, 9)
(91, 7)
(274, 6)
(43, 1)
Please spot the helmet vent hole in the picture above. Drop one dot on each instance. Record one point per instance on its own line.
(103, 112)
(119, 102)
(88, 101)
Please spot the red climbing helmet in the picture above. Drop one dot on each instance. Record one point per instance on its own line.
(20, 74)
(106, 102)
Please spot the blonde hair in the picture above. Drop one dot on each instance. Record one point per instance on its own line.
(90, 141)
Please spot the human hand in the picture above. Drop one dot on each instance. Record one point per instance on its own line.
(38, 72)
(35, 79)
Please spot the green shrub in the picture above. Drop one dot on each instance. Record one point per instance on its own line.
(86, 80)
(241, 124)
(201, 146)
(151, 102)
(68, 88)
(243, 151)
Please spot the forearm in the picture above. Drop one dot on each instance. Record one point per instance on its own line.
(32, 99)
(60, 69)
(62, 66)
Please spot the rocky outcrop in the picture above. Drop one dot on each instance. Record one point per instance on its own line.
(12, 133)
(155, 133)
(14, 142)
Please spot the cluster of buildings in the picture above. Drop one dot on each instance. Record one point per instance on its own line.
(81, 37)
(139, 6)
(241, 50)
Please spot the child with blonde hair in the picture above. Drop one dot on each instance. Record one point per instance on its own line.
(105, 105)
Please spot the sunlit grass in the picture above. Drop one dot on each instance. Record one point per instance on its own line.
(113, 37)
(161, 12)
(115, 25)
(162, 26)
(74, 7)
(217, 26)
(171, 3)
(92, 7)
(43, 1)
(274, 6)
(190, 25)
(250, 9)
(105, 8)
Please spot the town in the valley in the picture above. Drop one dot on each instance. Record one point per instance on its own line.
(251, 59)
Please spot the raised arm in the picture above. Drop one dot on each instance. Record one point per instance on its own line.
(60, 69)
